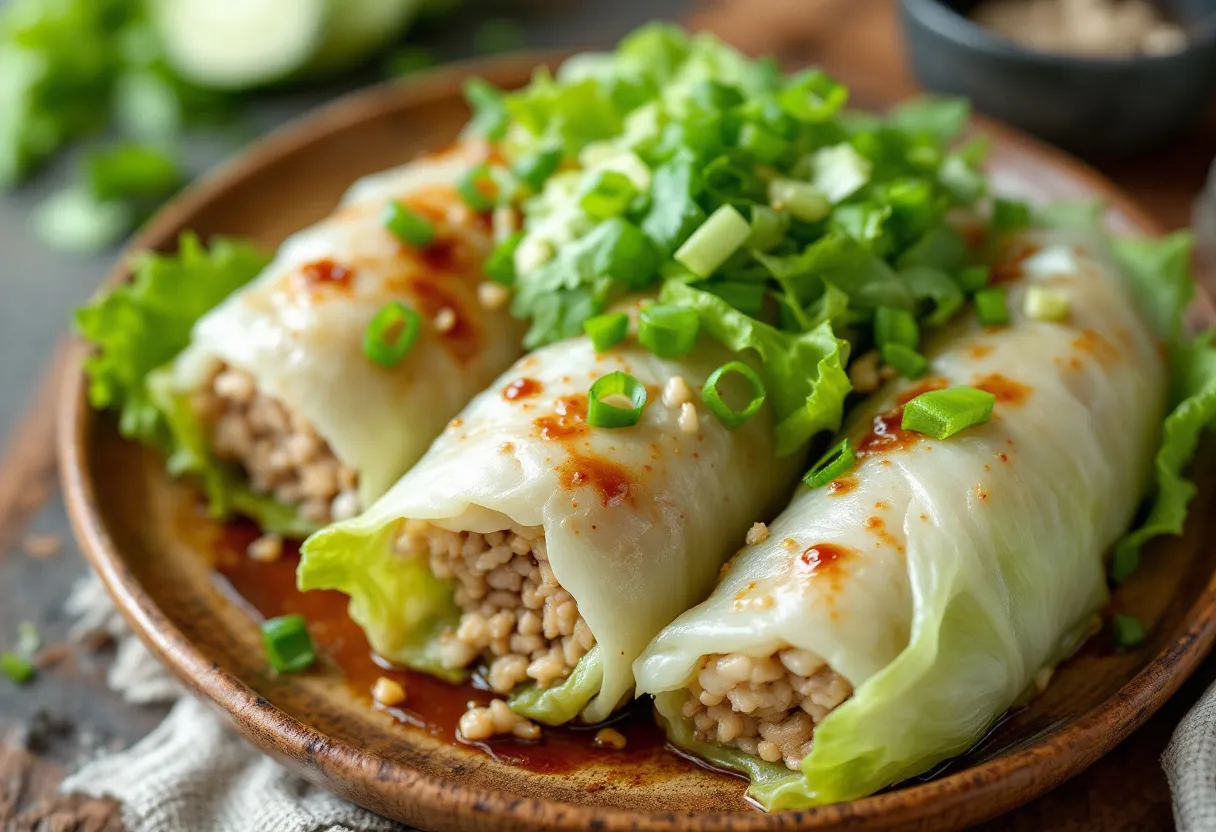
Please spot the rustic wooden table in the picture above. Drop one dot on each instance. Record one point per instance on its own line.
(68, 712)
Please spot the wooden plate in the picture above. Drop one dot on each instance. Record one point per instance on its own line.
(155, 551)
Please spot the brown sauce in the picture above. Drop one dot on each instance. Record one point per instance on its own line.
(824, 557)
(462, 341)
(1009, 267)
(841, 486)
(268, 590)
(1006, 390)
(612, 480)
(569, 419)
(886, 435)
(1092, 343)
(522, 388)
(326, 273)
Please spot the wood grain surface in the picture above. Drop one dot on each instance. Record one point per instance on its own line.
(856, 39)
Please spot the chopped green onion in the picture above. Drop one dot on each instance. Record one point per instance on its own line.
(288, 644)
(831, 465)
(802, 200)
(973, 278)
(668, 331)
(607, 330)
(603, 413)
(769, 228)
(943, 413)
(716, 240)
(733, 418)
(904, 360)
(407, 225)
(391, 333)
(478, 189)
(991, 308)
(895, 326)
(606, 194)
(500, 265)
(533, 170)
(1128, 630)
(762, 143)
(16, 668)
(1044, 304)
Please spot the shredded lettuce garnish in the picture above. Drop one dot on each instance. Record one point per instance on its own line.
(141, 326)
(847, 212)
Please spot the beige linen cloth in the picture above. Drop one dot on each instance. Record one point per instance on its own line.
(193, 773)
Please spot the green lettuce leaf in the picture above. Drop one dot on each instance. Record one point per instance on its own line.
(563, 703)
(803, 372)
(1172, 491)
(1159, 271)
(138, 329)
(146, 322)
(396, 600)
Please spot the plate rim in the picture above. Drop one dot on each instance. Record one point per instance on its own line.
(970, 795)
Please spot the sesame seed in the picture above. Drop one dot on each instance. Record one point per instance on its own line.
(445, 319)
(491, 295)
(388, 692)
(676, 392)
(688, 421)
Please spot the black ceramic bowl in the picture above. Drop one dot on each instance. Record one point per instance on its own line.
(1094, 107)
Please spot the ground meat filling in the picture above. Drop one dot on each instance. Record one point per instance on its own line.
(279, 450)
(765, 707)
(515, 615)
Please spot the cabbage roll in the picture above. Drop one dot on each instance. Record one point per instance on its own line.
(275, 386)
(887, 619)
(549, 551)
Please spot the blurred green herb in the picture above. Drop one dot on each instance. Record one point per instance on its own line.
(499, 35)
(408, 60)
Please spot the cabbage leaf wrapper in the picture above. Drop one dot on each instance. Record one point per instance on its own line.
(298, 329)
(634, 521)
(916, 597)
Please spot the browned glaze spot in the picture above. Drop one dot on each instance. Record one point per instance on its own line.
(326, 272)
(268, 590)
(1009, 265)
(978, 351)
(522, 388)
(1092, 343)
(841, 486)
(1006, 390)
(462, 340)
(613, 481)
(886, 435)
(878, 527)
(569, 419)
(824, 558)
